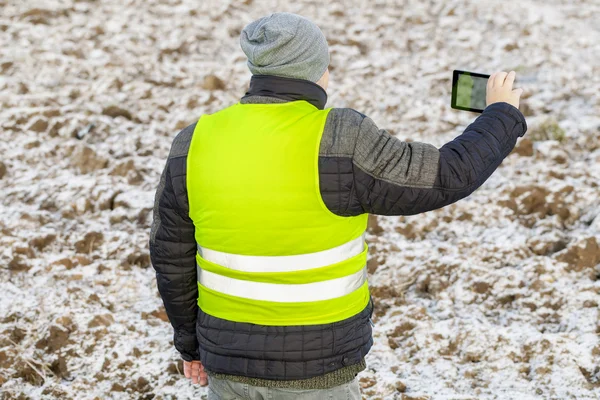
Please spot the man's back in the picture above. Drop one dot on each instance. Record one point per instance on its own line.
(259, 221)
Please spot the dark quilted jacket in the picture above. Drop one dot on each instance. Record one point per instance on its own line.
(362, 169)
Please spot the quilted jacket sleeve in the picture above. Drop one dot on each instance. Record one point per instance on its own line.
(364, 169)
(173, 249)
(470, 159)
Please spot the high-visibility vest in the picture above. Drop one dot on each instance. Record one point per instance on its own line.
(269, 250)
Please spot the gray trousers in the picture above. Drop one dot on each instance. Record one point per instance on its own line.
(221, 389)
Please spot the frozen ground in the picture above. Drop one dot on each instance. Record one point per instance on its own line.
(495, 297)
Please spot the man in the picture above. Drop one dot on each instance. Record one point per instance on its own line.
(260, 214)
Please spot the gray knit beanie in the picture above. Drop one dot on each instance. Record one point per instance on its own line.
(285, 44)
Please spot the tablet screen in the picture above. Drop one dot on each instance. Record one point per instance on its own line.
(468, 91)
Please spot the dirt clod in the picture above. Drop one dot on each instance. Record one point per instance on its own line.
(400, 386)
(402, 329)
(39, 125)
(373, 226)
(524, 148)
(213, 82)
(545, 246)
(160, 314)
(582, 255)
(7, 357)
(101, 320)
(56, 338)
(18, 264)
(141, 259)
(372, 265)
(116, 111)
(90, 242)
(41, 242)
(59, 367)
(367, 382)
(481, 287)
(66, 262)
(86, 160)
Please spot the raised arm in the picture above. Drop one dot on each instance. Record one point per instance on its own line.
(173, 249)
(364, 169)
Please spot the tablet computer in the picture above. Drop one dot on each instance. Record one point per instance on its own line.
(468, 91)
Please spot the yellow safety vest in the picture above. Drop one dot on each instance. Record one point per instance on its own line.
(269, 250)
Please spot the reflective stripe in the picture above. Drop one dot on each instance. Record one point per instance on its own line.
(324, 290)
(285, 263)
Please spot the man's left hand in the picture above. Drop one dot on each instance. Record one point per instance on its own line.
(195, 370)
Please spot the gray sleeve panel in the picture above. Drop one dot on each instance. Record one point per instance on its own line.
(181, 143)
(387, 158)
(349, 133)
(340, 133)
(358, 160)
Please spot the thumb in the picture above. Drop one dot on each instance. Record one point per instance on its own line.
(518, 92)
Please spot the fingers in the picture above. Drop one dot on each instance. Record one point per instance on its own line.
(490, 83)
(500, 89)
(187, 369)
(194, 370)
(510, 79)
(517, 93)
(203, 378)
(499, 79)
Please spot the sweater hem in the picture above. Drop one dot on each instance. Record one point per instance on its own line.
(331, 379)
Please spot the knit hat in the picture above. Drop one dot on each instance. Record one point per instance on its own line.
(285, 44)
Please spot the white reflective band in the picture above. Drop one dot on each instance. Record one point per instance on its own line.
(283, 293)
(285, 263)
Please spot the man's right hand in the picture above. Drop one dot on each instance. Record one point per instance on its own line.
(500, 89)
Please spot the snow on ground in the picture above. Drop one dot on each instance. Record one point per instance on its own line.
(494, 297)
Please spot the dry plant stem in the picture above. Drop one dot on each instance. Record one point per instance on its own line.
(44, 365)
